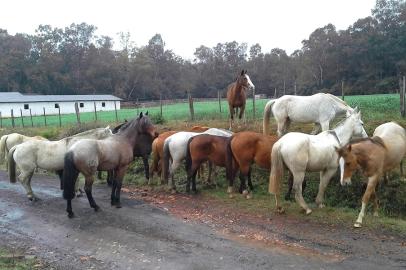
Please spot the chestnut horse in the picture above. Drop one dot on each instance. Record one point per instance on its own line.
(236, 95)
(374, 156)
(248, 147)
(114, 153)
(202, 148)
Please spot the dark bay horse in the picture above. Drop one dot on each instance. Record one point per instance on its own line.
(236, 95)
(114, 153)
(202, 148)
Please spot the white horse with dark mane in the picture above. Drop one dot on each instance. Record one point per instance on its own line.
(319, 108)
(301, 153)
(175, 147)
(47, 155)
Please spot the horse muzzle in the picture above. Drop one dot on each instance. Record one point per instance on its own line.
(345, 181)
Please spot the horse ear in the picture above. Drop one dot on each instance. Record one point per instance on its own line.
(108, 127)
(356, 109)
(141, 114)
(349, 148)
(245, 71)
(337, 149)
(242, 72)
(146, 113)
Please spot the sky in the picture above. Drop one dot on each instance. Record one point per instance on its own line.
(187, 24)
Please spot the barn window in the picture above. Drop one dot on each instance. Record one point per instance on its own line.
(103, 104)
(26, 107)
(81, 105)
(56, 105)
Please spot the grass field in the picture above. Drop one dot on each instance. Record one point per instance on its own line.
(374, 107)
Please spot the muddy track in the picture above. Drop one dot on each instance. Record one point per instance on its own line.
(147, 235)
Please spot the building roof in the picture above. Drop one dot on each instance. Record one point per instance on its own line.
(16, 97)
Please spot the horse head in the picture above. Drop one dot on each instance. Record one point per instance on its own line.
(358, 130)
(245, 80)
(145, 126)
(348, 164)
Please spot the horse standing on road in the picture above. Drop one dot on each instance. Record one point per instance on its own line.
(114, 153)
(236, 95)
(374, 156)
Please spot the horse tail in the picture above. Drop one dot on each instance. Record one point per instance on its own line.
(70, 174)
(12, 165)
(188, 159)
(165, 163)
(229, 161)
(276, 169)
(3, 141)
(155, 159)
(267, 115)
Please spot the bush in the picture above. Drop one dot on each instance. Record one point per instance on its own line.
(158, 119)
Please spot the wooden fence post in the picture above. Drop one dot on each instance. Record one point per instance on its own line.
(95, 112)
(1, 121)
(22, 119)
(77, 112)
(32, 123)
(274, 95)
(219, 98)
(12, 118)
(59, 113)
(342, 89)
(160, 103)
(403, 97)
(253, 103)
(138, 109)
(295, 89)
(192, 111)
(45, 117)
(115, 109)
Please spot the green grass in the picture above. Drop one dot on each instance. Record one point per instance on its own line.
(16, 260)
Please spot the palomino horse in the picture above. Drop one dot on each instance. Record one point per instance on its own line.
(374, 156)
(10, 140)
(46, 155)
(236, 95)
(202, 148)
(319, 108)
(302, 153)
(158, 149)
(175, 149)
(113, 153)
(245, 148)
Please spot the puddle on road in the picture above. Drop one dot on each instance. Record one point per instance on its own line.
(50, 191)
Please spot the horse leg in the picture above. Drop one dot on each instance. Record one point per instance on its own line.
(175, 164)
(26, 183)
(242, 109)
(119, 182)
(297, 185)
(376, 204)
(89, 179)
(231, 108)
(78, 191)
(60, 175)
(146, 166)
(69, 208)
(110, 178)
(372, 181)
(325, 177)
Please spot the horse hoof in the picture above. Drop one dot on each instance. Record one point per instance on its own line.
(231, 196)
(71, 215)
(308, 211)
(280, 210)
(96, 208)
(321, 205)
(357, 225)
(230, 190)
(118, 205)
(249, 196)
(245, 192)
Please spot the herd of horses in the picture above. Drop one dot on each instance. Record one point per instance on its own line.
(347, 147)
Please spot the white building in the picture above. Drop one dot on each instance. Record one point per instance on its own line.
(52, 103)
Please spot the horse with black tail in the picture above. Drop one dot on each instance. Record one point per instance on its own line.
(114, 153)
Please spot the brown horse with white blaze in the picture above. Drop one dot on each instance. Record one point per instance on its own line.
(374, 156)
(236, 95)
(114, 153)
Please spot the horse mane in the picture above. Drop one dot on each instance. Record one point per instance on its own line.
(336, 99)
(375, 140)
(84, 132)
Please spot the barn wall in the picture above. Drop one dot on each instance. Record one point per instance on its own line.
(66, 107)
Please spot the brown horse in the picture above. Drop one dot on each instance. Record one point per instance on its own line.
(236, 95)
(245, 148)
(114, 153)
(202, 148)
(374, 156)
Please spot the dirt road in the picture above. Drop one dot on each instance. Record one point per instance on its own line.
(142, 235)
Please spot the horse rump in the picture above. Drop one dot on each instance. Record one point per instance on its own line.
(70, 174)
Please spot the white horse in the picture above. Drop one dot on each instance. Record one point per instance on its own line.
(319, 108)
(301, 153)
(10, 140)
(175, 147)
(48, 155)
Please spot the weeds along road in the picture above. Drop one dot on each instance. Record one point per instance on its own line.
(141, 236)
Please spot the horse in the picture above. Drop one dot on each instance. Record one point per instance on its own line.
(158, 148)
(374, 157)
(236, 95)
(319, 108)
(301, 153)
(175, 149)
(114, 153)
(202, 148)
(10, 140)
(48, 155)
